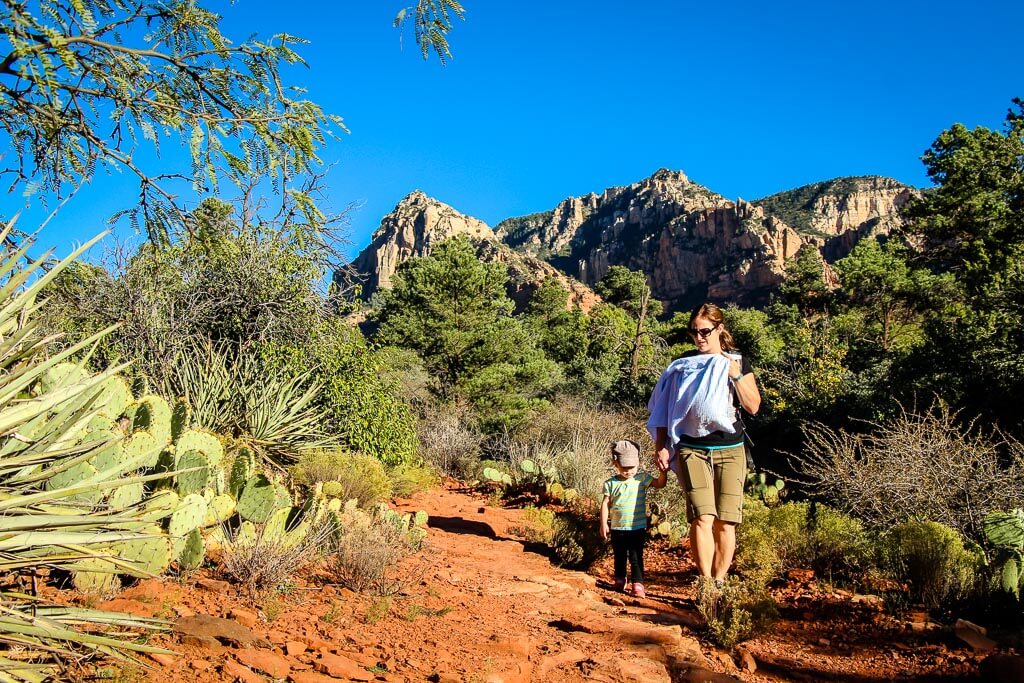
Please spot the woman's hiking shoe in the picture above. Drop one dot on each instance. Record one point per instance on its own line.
(638, 590)
(620, 585)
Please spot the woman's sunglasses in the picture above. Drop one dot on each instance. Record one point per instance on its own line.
(703, 333)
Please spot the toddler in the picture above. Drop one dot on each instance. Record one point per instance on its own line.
(624, 513)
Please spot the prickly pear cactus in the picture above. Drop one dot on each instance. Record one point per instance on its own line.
(149, 555)
(1005, 529)
(195, 472)
(161, 505)
(496, 475)
(214, 539)
(246, 534)
(96, 576)
(127, 495)
(260, 498)
(142, 449)
(421, 518)
(220, 509)
(110, 457)
(153, 414)
(189, 515)
(181, 418)
(203, 441)
(76, 474)
(529, 467)
(60, 375)
(115, 395)
(242, 470)
(332, 488)
(194, 552)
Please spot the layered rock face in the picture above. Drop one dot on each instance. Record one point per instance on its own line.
(693, 244)
(419, 222)
(696, 245)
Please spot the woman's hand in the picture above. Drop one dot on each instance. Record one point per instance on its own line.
(735, 368)
(662, 458)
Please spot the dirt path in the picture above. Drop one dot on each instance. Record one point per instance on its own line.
(481, 605)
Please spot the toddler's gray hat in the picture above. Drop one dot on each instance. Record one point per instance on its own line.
(626, 453)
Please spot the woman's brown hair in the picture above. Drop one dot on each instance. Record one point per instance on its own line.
(714, 314)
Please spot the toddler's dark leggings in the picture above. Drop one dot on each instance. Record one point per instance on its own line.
(629, 545)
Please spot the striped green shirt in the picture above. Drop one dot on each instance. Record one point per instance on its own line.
(627, 504)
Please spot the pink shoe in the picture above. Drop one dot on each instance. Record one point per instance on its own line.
(638, 590)
(620, 585)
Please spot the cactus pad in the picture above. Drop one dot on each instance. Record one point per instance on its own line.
(141, 449)
(60, 375)
(277, 525)
(160, 505)
(114, 398)
(126, 496)
(109, 458)
(194, 552)
(246, 535)
(188, 516)
(260, 498)
(421, 518)
(242, 469)
(181, 418)
(205, 442)
(333, 489)
(95, 575)
(219, 510)
(214, 539)
(74, 475)
(150, 555)
(196, 480)
(153, 414)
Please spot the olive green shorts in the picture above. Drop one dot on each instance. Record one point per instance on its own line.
(713, 480)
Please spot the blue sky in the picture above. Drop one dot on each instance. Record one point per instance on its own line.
(544, 100)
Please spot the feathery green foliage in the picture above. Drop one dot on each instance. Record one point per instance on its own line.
(77, 95)
(431, 20)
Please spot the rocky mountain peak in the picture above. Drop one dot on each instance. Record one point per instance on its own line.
(419, 222)
(693, 244)
(411, 229)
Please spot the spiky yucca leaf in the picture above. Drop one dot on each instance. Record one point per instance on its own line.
(42, 440)
(236, 393)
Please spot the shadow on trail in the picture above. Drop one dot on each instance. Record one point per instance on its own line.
(459, 525)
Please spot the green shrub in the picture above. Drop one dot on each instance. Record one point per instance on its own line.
(757, 558)
(931, 558)
(361, 397)
(411, 478)
(362, 477)
(737, 611)
(841, 548)
(538, 525)
(788, 525)
(577, 539)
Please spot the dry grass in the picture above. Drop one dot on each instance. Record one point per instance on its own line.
(449, 439)
(261, 564)
(368, 546)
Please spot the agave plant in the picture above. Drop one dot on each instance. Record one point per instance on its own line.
(48, 515)
(272, 410)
